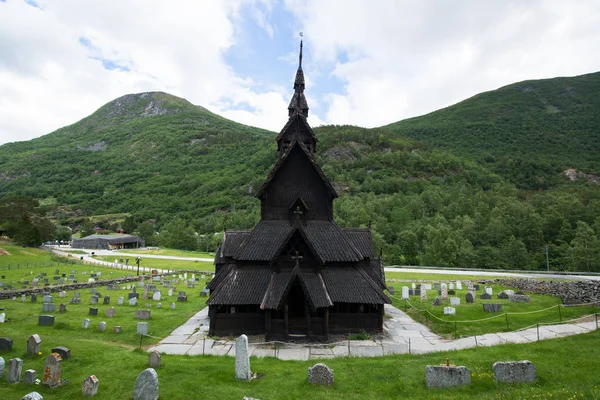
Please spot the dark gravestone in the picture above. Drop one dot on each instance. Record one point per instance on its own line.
(34, 298)
(320, 374)
(62, 308)
(93, 311)
(451, 292)
(132, 295)
(520, 293)
(476, 287)
(502, 295)
(146, 385)
(64, 352)
(437, 302)
(6, 343)
(46, 320)
(106, 299)
(469, 298)
(519, 298)
(485, 296)
(492, 308)
(391, 290)
(204, 292)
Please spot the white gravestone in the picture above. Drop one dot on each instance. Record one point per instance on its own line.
(423, 293)
(242, 359)
(156, 296)
(458, 285)
(454, 301)
(449, 311)
(405, 293)
(444, 291)
(488, 290)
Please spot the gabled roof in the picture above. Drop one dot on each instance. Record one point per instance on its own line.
(232, 241)
(264, 240)
(242, 285)
(330, 242)
(351, 285)
(299, 119)
(294, 145)
(361, 239)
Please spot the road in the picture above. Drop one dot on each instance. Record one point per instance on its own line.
(525, 274)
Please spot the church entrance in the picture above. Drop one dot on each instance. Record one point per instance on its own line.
(297, 310)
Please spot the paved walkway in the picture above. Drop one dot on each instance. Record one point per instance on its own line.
(404, 335)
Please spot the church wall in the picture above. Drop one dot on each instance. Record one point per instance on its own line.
(297, 178)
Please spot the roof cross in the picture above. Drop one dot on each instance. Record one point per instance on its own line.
(298, 212)
(297, 258)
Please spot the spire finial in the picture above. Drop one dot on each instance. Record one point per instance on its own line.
(300, 63)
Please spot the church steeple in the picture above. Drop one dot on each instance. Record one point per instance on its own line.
(298, 104)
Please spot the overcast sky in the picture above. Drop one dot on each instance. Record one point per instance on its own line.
(366, 62)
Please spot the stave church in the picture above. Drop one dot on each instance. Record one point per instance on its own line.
(297, 274)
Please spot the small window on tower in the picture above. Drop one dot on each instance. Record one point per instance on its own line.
(298, 210)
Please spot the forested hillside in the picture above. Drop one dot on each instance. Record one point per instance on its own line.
(156, 162)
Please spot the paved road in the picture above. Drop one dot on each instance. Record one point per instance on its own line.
(490, 273)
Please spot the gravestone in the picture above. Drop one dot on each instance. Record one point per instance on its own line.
(391, 290)
(146, 385)
(52, 370)
(172, 306)
(23, 298)
(34, 297)
(75, 300)
(93, 311)
(204, 292)
(502, 295)
(437, 302)
(29, 377)
(76, 294)
(405, 293)
(492, 308)
(102, 326)
(116, 329)
(93, 290)
(446, 376)
(142, 328)
(437, 286)
(519, 298)
(451, 292)
(514, 371)
(142, 314)
(120, 301)
(451, 286)
(444, 291)
(449, 311)
(62, 294)
(489, 290)
(320, 374)
(154, 359)
(2, 365)
(469, 298)
(48, 307)
(158, 305)
(156, 296)
(13, 375)
(476, 288)
(93, 300)
(485, 296)
(90, 386)
(242, 359)
(33, 345)
(423, 294)
(46, 320)
(62, 308)
(86, 323)
(2, 318)
(181, 297)
(110, 312)
(454, 301)
(133, 295)
(32, 396)
(458, 285)
(63, 352)
(106, 299)
(427, 286)
(47, 299)
(133, 301)
(170, 292)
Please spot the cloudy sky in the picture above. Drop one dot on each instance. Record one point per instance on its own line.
(367, 62)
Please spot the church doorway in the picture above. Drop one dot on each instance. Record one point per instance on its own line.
(297, 310)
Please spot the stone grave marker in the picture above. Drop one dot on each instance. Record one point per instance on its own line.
(142, 328)
(449, 311)
(110, 312)
(158, 305)
(140, 284)
(492, 308)
(62, 308)
(90, 386)
(120, 301)
(33, 345)
(133, 295)
(34, 297)
(405, 293)
(485, 296)
(172, 306)
(2, 318)
(451, 286)
(142, 314)
(146, 385)
(157, 296)
(204, 292)
(154, 359)
(133, 301)
(106, 299)
(437, 286)
(93, 290)
(62, 294)
(476, 288)
(93, 300)
(181, 297)
(75, 300)
(454, 301)
(23, 298)
(2, 365)
(458, 285)
(86, 323)
(63, 352)
(116, 329)
(519, 298)
(437, 302)
(423, 294)
(170, 292)
(514, 371)
(469, 298)
(52, 370)
(427, 286)
(29, 377)
(32, 396)
(48, 307)
(444, 291)
(46, 320)
(446, 376)
(242, 359)
(47, 299)
(13, 375)
(489, 290)
(320, 374)
(102, 326)
(93, 311)
(76, 294)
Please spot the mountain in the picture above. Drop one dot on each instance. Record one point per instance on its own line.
(527, 132)
(477, 184)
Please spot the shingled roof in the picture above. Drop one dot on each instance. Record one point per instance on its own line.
(351, 285)
(361, 239)
(244, 284)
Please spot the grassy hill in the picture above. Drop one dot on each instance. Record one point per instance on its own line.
(528, 131)
(478, 184)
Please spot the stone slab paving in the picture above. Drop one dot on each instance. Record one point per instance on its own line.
(403, 336)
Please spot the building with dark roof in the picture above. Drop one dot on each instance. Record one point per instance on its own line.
(297, 273)
(108, 242)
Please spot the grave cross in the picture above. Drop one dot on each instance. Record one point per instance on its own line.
(297, 258)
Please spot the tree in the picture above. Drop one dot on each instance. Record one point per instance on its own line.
(585, 249)
(62, 233)
(128, 225)
(87, 228)
(146, 231)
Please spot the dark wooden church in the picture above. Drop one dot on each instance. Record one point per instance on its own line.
(297, 273)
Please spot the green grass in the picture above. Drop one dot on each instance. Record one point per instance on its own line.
(171, 252)
(445, 324)
(164, 264)
(18, 255)
(422, 276)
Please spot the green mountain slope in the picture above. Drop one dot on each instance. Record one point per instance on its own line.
(528, 131)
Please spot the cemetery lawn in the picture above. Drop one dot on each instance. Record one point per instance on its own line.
(519, 315)
(422, 276)
(566, 369)
(17, 255)
(170, 252)
(160, 263)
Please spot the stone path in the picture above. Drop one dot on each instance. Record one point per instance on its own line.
(404, 335)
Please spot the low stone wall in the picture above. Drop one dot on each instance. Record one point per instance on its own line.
(583, 292)
(7, 294)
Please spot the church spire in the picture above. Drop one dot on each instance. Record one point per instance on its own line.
(298, 104)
